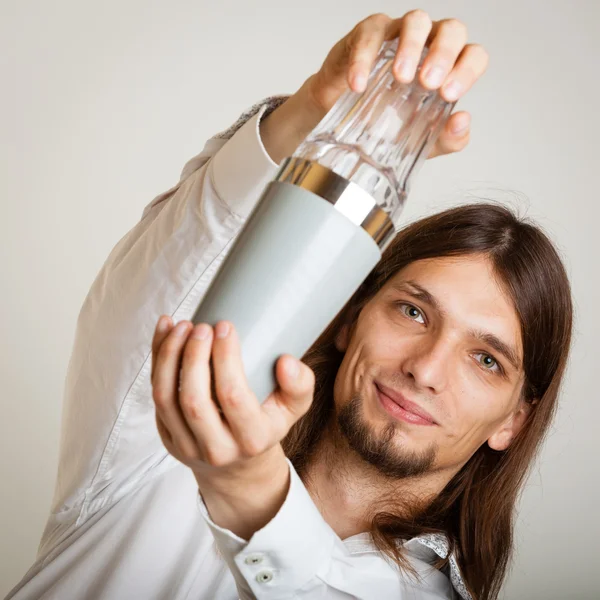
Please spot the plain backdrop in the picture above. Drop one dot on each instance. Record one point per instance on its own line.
(102, 103)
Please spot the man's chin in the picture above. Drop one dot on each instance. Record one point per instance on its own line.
(379, 446)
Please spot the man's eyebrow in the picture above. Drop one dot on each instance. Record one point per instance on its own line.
(493, 341)
(497, 344)
(419, 292)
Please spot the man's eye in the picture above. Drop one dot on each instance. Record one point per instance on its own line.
(412, 312)
(487, 362)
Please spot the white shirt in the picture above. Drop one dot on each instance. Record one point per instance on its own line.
(127, 521)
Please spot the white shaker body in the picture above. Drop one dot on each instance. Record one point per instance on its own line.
(296, 263)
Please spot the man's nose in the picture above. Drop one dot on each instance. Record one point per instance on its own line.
(429, 362)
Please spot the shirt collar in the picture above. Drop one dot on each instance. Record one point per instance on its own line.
(438, 542)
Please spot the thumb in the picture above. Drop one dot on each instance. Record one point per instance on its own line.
(292, 398)
(455, 135)
(297, 384)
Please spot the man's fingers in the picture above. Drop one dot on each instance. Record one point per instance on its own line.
(165, 388)
(454, 136)
(163, 326)
(362, 46)
(470, 66)
(447, 39)
(197, 405)
(187, 417)
(239, 404)
(293, 397)
(164, 433)
(414, 28)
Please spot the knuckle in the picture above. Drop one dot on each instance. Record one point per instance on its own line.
(171, 345)
(354, 43)
(419, 18)
(251, 447)
(232, 395)
(365, 32)
(361, 53)
(350, 42)
(185, 450)
(191, 406)
(378, 19)
(217, 457)
(161, 397)
(454, 25)
(453, 32)
(479, 52)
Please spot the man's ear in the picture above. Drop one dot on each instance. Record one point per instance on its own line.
(507, 432)
(342, 338)
(344, 334)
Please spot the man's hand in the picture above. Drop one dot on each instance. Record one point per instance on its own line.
(458, 66)
(237, 453)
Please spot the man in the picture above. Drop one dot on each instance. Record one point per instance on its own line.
(394, 476)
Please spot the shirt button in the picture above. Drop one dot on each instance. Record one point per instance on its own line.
(254, 559)
(264, 576)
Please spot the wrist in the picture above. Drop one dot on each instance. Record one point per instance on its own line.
(289, 124)
(246, 502)
(232, 480)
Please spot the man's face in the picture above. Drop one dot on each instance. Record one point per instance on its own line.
(440, 334)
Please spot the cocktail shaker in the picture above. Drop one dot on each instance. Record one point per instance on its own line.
(322, 223)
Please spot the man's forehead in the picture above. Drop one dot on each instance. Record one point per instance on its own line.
(441, 275)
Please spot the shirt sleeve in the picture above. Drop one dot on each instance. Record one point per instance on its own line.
(297, 555)
(163, 265)
(284, 555)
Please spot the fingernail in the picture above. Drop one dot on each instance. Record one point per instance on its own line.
(360, 82)
(291, 367)
(462, 125)
(405, 69)
(452, 90)
(163, 324)
(181, 328)
(201, 331)
(434, 76)
(222, 329)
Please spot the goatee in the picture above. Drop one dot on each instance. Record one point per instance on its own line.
(378, 448)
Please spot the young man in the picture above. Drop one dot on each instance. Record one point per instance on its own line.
(395, 476)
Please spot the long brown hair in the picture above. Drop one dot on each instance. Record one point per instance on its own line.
(476, 509)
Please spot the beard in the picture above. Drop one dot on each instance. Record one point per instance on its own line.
(378, 449)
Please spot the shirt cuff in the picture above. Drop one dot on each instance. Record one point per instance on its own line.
(285, 554)
(242, 167)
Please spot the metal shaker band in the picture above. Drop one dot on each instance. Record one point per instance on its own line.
(346, 196)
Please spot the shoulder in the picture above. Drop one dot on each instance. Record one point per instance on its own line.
(272, 102)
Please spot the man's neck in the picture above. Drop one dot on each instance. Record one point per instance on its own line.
(348, 491)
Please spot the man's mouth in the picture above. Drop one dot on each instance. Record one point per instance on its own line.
(402, 408)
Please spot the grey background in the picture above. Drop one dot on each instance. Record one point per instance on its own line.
(103, 102)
